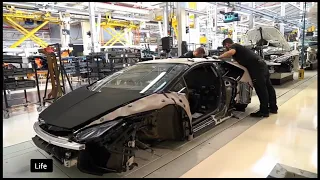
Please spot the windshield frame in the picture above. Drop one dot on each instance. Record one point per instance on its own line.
(98, 85)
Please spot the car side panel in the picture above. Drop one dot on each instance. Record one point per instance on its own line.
(149, 103)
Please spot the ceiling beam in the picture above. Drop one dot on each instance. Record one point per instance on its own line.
(268, 7)
(295, 6)
(257, 12)
(140, 5)
(195, 12)
(78, 10)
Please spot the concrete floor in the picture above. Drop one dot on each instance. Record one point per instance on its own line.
(189, 159)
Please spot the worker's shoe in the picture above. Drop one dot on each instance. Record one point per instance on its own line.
(259, 114)
(273, 111)
(240, 107)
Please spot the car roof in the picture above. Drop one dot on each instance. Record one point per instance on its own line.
(187, 61)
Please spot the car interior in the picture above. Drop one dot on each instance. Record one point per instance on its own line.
(202, 89)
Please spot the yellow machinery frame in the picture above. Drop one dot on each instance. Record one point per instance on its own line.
(13, 17)
(173, 21)
(117, 36)
(174, 24)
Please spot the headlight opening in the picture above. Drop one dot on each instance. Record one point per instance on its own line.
(96, 131)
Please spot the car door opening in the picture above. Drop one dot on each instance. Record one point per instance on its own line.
(203, 87)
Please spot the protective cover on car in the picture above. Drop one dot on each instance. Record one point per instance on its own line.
(83, 105)
(269, 33)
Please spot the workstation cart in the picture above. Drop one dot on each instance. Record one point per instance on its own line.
(14, 78)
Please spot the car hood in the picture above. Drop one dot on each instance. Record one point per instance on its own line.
(269, 33)
(82, 106)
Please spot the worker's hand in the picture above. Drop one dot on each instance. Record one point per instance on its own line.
(215, 57)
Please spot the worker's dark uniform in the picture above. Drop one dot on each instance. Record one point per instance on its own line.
(260, 76)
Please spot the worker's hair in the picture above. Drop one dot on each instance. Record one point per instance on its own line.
(200, 50)
(228, 40)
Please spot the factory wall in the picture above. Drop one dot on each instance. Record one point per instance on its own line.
(75, 33)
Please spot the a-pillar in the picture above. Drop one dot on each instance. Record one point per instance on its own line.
(282, 14)
(181, 19)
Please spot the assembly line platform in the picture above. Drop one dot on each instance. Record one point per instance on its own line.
(170, 159)
(281, 78)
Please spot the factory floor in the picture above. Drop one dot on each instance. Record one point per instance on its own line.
(289, 138)
(244, 147)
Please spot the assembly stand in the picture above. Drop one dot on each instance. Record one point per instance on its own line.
(17, 85)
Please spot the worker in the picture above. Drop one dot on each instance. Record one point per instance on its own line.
(198, 53)
(259, 73)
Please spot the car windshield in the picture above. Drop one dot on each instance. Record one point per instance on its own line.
(146, 78)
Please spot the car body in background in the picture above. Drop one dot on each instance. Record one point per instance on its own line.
(271, 45)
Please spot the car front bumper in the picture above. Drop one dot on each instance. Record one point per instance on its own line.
(56, 140)
(64, 151)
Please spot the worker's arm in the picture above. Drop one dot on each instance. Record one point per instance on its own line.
(227, 54)
(188, 54)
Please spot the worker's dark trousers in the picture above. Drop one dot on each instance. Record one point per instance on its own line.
(261, 81)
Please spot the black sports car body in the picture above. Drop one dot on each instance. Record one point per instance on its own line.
(271, 45)
(98, 127)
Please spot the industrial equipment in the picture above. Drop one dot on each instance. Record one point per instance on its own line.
(118, 29)
(107, 62)
(55, 72)
(13, 17)
(231, 17)
(14, 79)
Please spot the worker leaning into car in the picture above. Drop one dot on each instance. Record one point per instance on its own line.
(259, 73)
(198, 53)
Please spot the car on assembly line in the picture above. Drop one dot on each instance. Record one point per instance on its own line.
(100, 126)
